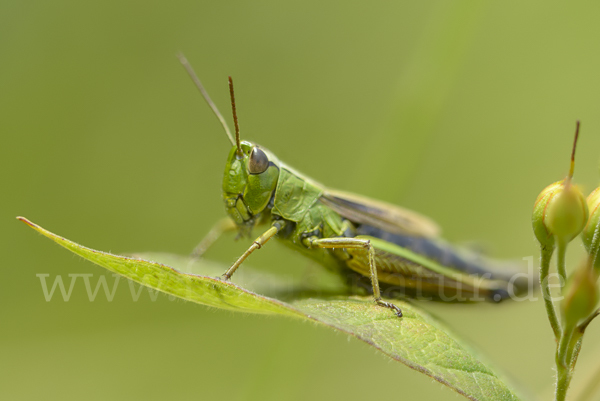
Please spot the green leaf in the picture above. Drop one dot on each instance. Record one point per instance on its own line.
(417, 339)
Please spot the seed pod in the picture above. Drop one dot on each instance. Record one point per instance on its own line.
(580, 295)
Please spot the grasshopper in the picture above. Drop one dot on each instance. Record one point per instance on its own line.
(346, 233)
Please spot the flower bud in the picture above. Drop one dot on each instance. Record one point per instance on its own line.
(592, 229)
(580, 295)
(560, 211)
(566, 213)
(543, 235)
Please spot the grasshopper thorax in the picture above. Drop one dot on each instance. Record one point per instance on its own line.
(249, 183)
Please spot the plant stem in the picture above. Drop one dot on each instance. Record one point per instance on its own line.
(574, 348)
(562, 383)
(564, 348)
(566, 356)
(560, 263)
(544, 270)
(577, 339)
(563, 369)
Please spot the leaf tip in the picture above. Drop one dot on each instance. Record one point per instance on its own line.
(31, 224)
(24, 220)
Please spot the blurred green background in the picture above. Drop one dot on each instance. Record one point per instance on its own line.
(462, 110)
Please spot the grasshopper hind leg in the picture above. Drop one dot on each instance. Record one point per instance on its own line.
(389, 305)
(365, 245)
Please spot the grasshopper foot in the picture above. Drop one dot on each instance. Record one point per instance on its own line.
(389, 305)
(224, 277)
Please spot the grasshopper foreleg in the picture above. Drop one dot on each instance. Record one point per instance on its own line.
(222, 226)
(257, 244)
(367, 247)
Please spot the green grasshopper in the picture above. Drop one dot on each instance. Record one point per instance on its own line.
(347, 233)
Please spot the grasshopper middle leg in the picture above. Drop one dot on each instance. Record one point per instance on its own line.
(360, 244)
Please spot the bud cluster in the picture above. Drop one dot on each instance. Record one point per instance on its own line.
(561, 213)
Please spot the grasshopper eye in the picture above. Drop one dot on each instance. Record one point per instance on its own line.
(259, 162)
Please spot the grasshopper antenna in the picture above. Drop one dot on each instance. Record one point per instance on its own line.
(235, 120)
(204, 93)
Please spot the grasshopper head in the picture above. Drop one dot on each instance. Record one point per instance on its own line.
(251, 172)
(249, 183)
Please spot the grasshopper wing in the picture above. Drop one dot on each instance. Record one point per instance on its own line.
(388, 217)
